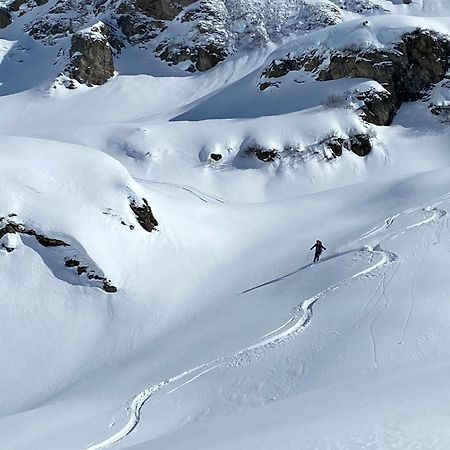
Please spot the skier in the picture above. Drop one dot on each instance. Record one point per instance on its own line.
(319, 248)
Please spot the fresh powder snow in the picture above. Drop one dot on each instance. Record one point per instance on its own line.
(157, 290)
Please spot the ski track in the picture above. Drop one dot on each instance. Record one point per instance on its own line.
(302, 315)
(204, 197)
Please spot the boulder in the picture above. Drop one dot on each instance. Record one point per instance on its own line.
(91, 59)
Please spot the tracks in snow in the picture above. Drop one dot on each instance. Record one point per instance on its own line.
(300, 319)
(203, 196)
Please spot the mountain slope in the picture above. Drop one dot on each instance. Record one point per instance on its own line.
(157, 286)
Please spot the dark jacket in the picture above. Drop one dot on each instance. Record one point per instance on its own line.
(319, 248)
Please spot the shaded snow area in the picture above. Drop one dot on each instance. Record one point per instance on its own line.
(157, 290)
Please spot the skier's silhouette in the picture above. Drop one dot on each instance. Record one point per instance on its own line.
(319, 248)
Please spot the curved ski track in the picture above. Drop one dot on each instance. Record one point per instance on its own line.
(300, 319)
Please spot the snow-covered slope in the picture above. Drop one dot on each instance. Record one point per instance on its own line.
(156, 283)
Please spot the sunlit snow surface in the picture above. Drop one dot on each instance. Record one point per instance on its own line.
(222, 334)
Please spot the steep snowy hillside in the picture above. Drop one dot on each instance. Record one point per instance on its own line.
(166, 167)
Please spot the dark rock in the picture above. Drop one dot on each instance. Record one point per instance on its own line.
(71, 263)
(49, 242)
(108, 287)
(137, 30)
(335, 145)
(8, 249)
(208, 57)
(215, 156)
(45, 241)
(442, 112)
(91, 57)
(379, 107)
(262, 154)
(5, 18)
(203, 57)
(81, 269)
(279, 68)
(144, 215)
(420, 60)
(360, 145)
(16, 4)
(267, 84)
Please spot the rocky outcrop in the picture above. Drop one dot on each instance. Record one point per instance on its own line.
(83, 270)
(12, 227)
(261, 153)
(361, 6)
(160, 9)
(91, 59)
(327, 149)
(378, 107)
(309, 62)
(412, 67)
(209, 32)
(5, 17)
(359, 144)
(16, 4)
(144, 215)
(418, 61)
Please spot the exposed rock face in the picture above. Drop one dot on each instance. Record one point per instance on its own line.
(379, 107)
(360, 6)
(5, 18)
(16, 4)
(144, 215)
(209, 32)
(91, 56)
(309, 62)
(420, 60)
(196, 35)
(161, 9)
(416, 63)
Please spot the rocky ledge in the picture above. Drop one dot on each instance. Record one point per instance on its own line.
(407, 71)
